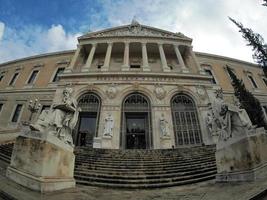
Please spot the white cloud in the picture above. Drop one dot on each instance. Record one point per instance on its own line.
(34, 40)
(205, 21)
(2, 29)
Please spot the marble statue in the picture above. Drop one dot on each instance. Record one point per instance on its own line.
(163, 123)
(61, 119)
(227, 119)
(109, 125)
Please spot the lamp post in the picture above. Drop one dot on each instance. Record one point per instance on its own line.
(33, 107)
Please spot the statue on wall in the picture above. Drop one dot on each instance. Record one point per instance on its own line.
(227, 119)
(61, 119)
(109, 125)
(163, 123)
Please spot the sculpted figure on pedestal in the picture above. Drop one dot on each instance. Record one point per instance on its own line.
(228, 119)
(109, 125)
(163, 123)
(61, 119)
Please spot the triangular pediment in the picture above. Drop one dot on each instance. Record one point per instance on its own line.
(135, 29)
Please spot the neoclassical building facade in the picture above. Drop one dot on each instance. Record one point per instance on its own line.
(138, 87)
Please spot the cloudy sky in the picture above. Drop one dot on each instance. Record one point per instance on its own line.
(29, 27)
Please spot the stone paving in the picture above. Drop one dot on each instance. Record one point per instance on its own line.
(201, 191)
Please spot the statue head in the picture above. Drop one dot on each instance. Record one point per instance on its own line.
(219, 93)
(67, 92)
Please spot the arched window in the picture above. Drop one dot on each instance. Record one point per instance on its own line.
(185, 121)
(90, 105)
(136, 122)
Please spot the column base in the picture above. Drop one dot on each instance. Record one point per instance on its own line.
(85, 69)
(185, 70)
(67, 70)
(125, 68)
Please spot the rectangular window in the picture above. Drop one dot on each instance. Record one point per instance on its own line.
(252, 81)
(1, 107)
(135, 66)
(1, 77)
(14, 78)
(208, 71)
(59, 71)
(17, 113)
(32, 77)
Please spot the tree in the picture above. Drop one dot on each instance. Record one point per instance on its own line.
(265, 3)
(257, 42)
(248, 101)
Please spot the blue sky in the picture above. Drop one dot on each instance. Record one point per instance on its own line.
(30, 27)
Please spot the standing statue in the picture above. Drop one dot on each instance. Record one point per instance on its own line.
(61, 119)
(228, 119)
(109, 125)
(163, 123)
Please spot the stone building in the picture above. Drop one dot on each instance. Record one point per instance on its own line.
(146, 85)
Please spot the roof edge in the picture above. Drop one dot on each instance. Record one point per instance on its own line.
(226, 58)
(37, 56)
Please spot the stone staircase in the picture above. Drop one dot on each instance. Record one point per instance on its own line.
(144, 168)
(138, 169)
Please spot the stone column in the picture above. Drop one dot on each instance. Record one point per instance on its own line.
(125, 66)
(163, 59)
(192, 54)
(90, 58)
(107, 57)
(74, 59)
(145, 58)
(180, 59)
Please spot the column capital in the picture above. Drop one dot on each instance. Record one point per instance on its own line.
(94, 44)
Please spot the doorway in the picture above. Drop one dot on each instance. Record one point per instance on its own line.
(136, 123)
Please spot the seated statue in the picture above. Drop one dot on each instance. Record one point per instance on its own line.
(228, 119)
(61, 119)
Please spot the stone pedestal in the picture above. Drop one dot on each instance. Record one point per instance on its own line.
(106, 142)
(165, 142)
(42, 162)
(242, 159)
(97, 143)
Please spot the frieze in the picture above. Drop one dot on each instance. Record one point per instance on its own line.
(161, 108)
(137, 30)
(110, 108)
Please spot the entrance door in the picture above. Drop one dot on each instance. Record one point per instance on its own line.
(86, 129)
(136, 130)
(87, 125)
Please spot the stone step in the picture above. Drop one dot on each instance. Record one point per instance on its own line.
(141, 162)
(168, 169)
(129, 176)
(119, 159)
(145, 181)
(144, 165)
(146, 186)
